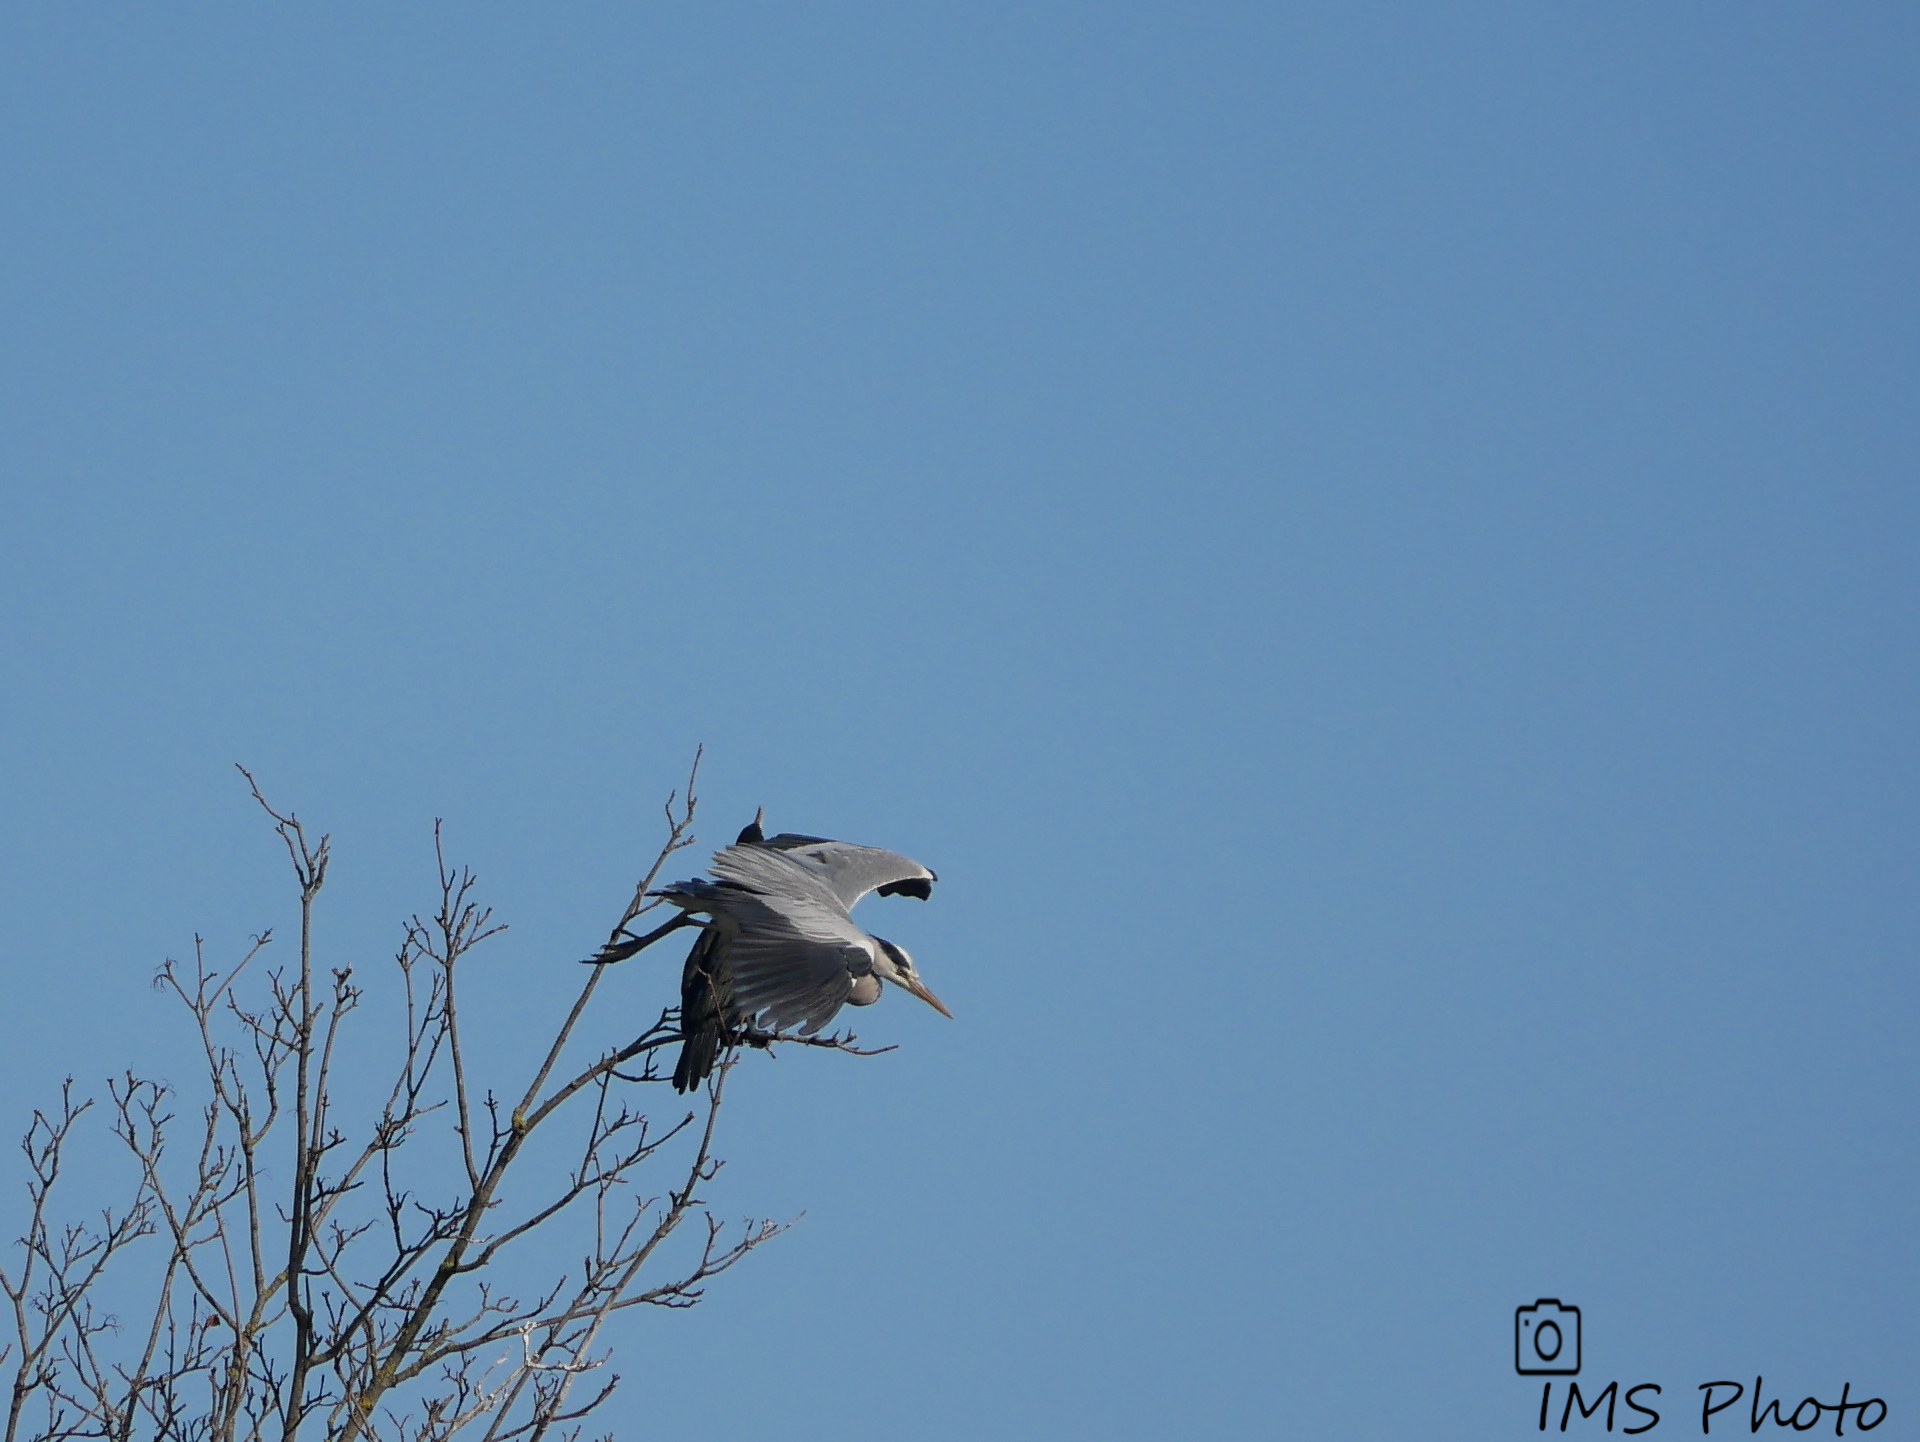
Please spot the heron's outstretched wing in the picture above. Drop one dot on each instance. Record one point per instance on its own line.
(706, 1003)
(789, 947)
(781, 979)
(852, 871)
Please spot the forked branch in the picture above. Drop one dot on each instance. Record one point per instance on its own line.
(329, 1275)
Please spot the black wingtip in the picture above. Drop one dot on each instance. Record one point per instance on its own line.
(919, 886)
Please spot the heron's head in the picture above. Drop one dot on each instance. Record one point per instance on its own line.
(894, 965)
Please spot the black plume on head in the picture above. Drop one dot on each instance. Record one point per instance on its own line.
(750, 834)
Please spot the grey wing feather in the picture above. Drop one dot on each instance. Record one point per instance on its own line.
(799, 889)
(852, 871)
(795, 954)
(788, 840)
(780, 981)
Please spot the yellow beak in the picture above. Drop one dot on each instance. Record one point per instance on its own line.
(919, 989)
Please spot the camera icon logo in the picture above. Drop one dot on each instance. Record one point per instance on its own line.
(1546, 1339)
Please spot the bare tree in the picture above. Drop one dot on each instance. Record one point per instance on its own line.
(377, 1289)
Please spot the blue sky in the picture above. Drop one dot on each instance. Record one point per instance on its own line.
(1373, 548)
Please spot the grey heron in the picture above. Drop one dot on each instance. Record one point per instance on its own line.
(780, 947)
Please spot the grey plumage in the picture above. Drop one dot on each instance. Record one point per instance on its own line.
(853, 871)
(779, 949)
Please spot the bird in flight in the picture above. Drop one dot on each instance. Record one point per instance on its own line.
(780, 947)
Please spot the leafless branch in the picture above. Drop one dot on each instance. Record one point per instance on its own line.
(304, 1270)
